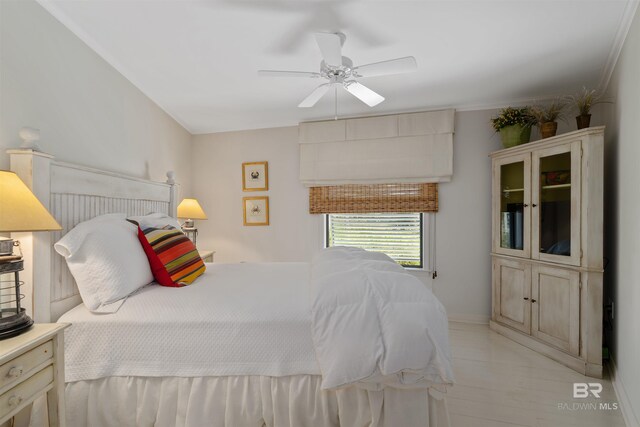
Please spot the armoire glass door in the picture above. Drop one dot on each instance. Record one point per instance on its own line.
(512, 210)
(556, 233)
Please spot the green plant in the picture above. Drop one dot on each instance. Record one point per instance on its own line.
(512, 116)
(585, 99)
(549, 113)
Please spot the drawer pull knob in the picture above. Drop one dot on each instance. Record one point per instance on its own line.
(15, 400)
(15, 372)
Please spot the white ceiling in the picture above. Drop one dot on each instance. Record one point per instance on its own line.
(198, 59)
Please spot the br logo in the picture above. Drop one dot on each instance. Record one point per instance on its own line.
(582, 390)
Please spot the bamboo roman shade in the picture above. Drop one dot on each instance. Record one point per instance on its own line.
(378, 198)
(398, 148)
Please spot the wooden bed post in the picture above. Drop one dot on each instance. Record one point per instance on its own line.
(34, 168)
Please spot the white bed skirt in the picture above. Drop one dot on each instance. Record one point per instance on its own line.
(246, 401)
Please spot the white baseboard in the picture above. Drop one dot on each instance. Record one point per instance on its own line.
(630, 418)
(469, 318)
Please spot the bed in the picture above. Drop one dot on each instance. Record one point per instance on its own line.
(249, 345)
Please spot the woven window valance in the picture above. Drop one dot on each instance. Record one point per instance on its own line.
(380, 198)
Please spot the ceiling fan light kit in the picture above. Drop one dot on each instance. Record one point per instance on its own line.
(338, 70)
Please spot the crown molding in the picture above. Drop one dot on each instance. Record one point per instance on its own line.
(618, 43)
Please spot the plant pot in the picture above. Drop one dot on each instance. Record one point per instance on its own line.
(548, 129)
(515, 135)
(583, 121)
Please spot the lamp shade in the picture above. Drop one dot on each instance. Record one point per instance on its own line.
(190, 209)
(20, 210)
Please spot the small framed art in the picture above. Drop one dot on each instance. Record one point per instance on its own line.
(255, 176)
(256, 210)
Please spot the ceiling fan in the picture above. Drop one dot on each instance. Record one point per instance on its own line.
(338, 70)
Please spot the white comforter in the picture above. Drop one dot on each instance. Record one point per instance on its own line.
(374, 324)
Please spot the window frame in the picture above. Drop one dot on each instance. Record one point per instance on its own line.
(427, 239)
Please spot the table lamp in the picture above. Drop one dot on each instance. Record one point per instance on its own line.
(20, 210)
(190, 209)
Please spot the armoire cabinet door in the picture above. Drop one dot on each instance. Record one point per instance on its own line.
(512, 294)
(556, 307)
(511, 205)
(555, 207)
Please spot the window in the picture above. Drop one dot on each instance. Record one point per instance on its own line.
(399, 235)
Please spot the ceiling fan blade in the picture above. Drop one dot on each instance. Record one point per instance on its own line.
(363, 93)
(392, 66)
(315, 96)
(330, 45)
(277, 73)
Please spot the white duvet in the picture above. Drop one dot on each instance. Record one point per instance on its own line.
(350, 315)
(375, 324)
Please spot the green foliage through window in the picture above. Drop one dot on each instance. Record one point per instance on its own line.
(398, 235)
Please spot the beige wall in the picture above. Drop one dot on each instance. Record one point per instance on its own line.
(88, 113)
(622, 217)
(293, 234)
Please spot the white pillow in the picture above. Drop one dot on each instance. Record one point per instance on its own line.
(155, 220)
(107, 260)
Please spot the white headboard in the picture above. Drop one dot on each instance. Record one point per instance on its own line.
(73, 194)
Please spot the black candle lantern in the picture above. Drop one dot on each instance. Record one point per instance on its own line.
(13, 317)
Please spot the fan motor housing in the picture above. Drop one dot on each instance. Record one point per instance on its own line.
(337, 74)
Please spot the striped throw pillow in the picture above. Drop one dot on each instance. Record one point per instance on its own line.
(173, 258)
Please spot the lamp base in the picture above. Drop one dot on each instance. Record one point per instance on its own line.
(15, 324)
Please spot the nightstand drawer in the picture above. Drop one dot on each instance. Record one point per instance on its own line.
(19, 368)
(24, 392)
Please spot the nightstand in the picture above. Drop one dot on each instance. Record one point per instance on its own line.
(32, 364)
(207, 256)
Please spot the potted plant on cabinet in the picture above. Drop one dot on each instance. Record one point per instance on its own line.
(514, 125)
(583, 101)
(546, 117)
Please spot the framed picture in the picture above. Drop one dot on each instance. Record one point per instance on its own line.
(255, 176)
(256, 210)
